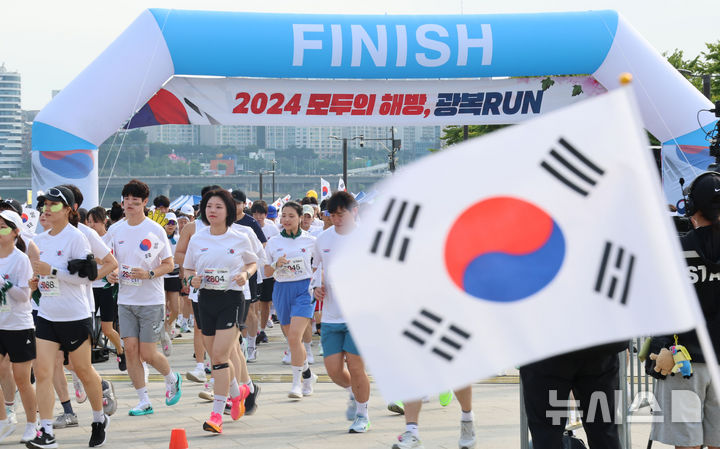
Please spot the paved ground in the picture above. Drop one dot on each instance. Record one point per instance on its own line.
(314, 422)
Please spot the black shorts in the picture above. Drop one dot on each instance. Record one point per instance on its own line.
(173, 285)
(106, 302)
(69, 334)
(252, 283)
(220, 310)
(20, 345)
(265, 289)
(196, 312)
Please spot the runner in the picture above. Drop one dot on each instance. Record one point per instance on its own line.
(64, 320)
(162, 204)
(259, 211)
(172, 279)
(338, 345)
(17, 330)
(219, 261)
(142, 251)
(289, 255)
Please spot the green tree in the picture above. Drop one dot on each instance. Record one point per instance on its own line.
(454, 134)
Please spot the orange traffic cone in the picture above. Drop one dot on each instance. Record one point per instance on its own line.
(178, 440)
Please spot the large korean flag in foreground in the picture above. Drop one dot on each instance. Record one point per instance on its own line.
(555, 238)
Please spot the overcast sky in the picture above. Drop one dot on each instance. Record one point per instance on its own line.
(51, 41)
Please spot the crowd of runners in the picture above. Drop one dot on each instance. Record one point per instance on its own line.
(221, 270)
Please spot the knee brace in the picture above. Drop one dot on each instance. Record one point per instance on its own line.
(220, 366)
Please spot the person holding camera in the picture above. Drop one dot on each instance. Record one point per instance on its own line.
(688, 400)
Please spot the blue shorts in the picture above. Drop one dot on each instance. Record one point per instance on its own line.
(336, 338)
(292, 299)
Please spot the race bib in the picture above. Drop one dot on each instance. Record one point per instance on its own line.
(216, 278)
(126, 278)
(49, 286)
(294, 268)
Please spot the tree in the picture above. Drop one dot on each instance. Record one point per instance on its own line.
(454, 134)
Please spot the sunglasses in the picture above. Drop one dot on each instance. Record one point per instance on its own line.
(58, 193)
(54, 208)
(171, 223)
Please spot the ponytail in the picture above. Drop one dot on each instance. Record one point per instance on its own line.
(20, 244)
(73, 217)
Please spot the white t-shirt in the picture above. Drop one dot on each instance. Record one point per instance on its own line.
(218, 258)
(70, 303)
(326, 246)
(199, 226)
(14, 315)
(99, 249)
(142, 246)
(107, 240)
(299, 252)
(172, 241)
(270, 231)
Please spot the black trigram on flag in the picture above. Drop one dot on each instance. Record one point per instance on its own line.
(401, 217)
(615, 273)
(444, 339)
(572, 168)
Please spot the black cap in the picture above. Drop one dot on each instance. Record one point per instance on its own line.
(60, 194)
(705, 191)
(15, 204)
(239, 196)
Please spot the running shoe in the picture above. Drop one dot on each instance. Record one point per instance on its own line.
(360, 425)
(269, 323)
(251, 400)
(207, 393)
(108, 394)
(408, 441)
(467, 435)
(238, 403)
(190, 322)
(80, 395)
(6, 428)
(252, 355)
(261, 338)
(122, 362)
(275, 319)
(165, 343)
(286, 358)
(97, 435)
(196, 375)
(10, 411)
(307, 384)
(42, 440)
(30, 432)
(296, 391)
(446, 398)
(351, 409)
(397, 407)
(64, 420)
(174, 393)
(141, 410)
(214, 424)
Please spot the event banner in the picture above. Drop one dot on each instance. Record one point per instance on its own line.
(245, 101)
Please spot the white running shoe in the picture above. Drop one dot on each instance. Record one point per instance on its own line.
(307, 384)
(6, 428)
(296, 391)
(408, 441)
(80, 395)
(252, 355)
(10, 411)
(165, 343)
(207, 393)
(467, 435)
(30, 432)
(360, 425)
(196, 375)
(286, 358)
(269, 323)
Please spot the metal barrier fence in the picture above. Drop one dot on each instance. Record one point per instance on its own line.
(634, 386)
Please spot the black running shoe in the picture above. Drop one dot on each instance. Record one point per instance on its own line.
(122, 362)
(42, 440)
(261, 338)
(251, 400)
(97, 437)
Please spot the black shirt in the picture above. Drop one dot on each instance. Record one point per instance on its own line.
(247, 220)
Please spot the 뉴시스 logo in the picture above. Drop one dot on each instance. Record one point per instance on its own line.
(485, 258)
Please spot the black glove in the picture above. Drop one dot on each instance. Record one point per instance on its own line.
(85, 268)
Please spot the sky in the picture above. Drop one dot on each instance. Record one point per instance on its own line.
(50, 42)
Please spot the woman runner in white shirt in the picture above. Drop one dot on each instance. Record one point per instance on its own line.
(219, 261)
(64, 316)
(290, 254)
(17, 330)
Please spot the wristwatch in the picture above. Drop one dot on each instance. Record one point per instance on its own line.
(151, 273)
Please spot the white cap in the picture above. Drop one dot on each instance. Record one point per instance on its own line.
(308, 209)
(171, 216)
(187, 210)
(13, 218)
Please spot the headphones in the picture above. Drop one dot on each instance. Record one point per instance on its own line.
(690, 209)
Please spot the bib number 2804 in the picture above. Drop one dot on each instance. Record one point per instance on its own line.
(216, 279)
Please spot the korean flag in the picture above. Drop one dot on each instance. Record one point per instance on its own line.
(540, 239)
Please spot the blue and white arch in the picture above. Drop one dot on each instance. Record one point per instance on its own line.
(161, 44)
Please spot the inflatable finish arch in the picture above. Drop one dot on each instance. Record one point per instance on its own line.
(163, 44)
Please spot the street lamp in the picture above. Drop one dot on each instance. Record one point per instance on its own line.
(266, 172)
(345, 154)
(273, 178)
(395, 148)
